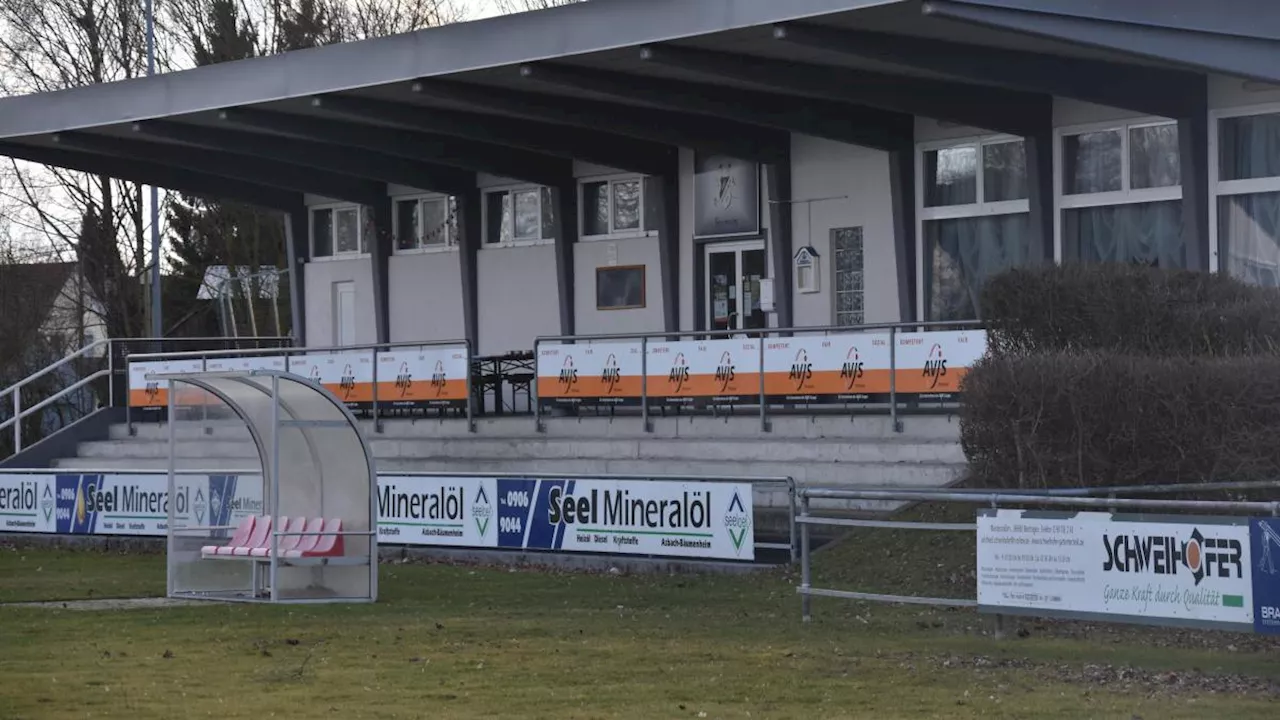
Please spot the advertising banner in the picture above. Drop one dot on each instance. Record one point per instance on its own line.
(349, 375)
(155, 393)
(425, 377)
(689, 519)
(414, 510)
(1158, 570)
(245, 364)
(851, 368)
(591, 374)
(931, 365)
(1264, 538)
(721, 371)
(681, 519)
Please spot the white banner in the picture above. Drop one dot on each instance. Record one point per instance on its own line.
(26, 504)
(835, 368)
(722, 370)
(415, 510)
(435, 376)
(349, 375)
(1193, 571)
(932, 364)
(245, 364)
(155, 393)
(607, 373)
(689, 519)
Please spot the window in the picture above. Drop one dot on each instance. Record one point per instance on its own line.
(426, 222)
(612, 207)
(974, 223)
(1248, 197)
(1121, 195)
(339, 230)
(519, 216)
(846, 246)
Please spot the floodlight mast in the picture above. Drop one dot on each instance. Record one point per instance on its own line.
(1270, 537)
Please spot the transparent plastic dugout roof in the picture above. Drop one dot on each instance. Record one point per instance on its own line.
(295, 521)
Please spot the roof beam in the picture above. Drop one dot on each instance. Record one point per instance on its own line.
(749, 142)
(323, 156)
(239, 167)
(1246, 18)
(1246, 57)
(1133, 87)
(868, 127)
(981, 106)
(481, 157)
(150, 173)
(602, 148)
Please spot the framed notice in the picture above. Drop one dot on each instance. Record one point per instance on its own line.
(620, 288)
(726, 196)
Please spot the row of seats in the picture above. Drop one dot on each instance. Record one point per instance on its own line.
(306, 538)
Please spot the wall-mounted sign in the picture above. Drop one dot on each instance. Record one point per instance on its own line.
(806, 270)
(726, 196)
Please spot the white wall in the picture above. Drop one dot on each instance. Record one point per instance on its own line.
(426, 297)
(590, 255)
(519, 297)
(825, 168)
(320, 278)
(1230, 92)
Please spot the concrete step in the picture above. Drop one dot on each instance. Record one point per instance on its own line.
(945, 428)
(900, 450)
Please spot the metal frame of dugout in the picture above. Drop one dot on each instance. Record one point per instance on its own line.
(314, 537)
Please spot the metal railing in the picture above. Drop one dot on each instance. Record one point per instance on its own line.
(1082, 498)
(11, 397)
(894, 329)
(292, 352)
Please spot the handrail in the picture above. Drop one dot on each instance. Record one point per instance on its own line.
(200, 354)
(50, 368)
(51, 400)
(760, 332)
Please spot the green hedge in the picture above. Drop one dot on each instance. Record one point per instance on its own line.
(1128, 309)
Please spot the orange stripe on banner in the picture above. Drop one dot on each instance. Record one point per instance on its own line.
(148, 398)
(361, 392)
(917, 380)
(624, 386)
(421, 390)
(851, 380)
(738, 383)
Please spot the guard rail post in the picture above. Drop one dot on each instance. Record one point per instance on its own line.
(538, 426)
(111, 378)
(377, 418)
(893, 380)
(17, 422)
(791, 529)
(204, 400)
(471, 417)
(128, 396)
(764, 407)
(806, 560)
(644, 384)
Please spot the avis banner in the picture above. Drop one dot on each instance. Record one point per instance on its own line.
(683, 519)
(931, 365)
(720, 371)
(591, 374)
(348, 375)
(1158, 570)
(425, 377)
(154, 394)
(851, 368)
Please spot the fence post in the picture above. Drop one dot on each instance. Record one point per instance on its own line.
(377, 419)
(893, 380)
(204, 400)
(764, 406)
(471, 416)
(644, 384)
(537, 399)
(17, 421)
(805, 561)
(111, 377)
(128, 398)
(791, 506)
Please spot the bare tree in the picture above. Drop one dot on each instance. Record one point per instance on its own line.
(515, 6)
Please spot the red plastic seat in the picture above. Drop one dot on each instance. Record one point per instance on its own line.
(329, 545)
(306, 542)
(287, 525)
(259, 539)
(238, 538)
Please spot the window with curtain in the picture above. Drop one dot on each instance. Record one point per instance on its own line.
(1248, 197)
(612, 207)
(336, 230)
(1122, 196)
(423, 222)
(974, 220)
(519, 216)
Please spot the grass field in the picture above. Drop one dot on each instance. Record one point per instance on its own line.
(459, 642)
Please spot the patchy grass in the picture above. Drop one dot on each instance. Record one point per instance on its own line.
(459, 642)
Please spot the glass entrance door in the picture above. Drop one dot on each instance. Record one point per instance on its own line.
(734, 271)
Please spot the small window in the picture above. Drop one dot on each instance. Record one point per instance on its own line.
(426, 222)
(951, 176)
(1153, 157)
(1249, 147)
(1004, 171)
(322, 232)
(346, 223)
(407, 233)
(612, 207)
(340, 230)
(1091, 162)
(519, 216)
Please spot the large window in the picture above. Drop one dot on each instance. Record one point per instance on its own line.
(1248, 196)
(1121, 195)
(340, 230)
(426, 222)
(612, 207)
(973, 220)
(519, 216)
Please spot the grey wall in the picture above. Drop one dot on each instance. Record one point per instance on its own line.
(519, 299)
(590, 255)
(426, 297)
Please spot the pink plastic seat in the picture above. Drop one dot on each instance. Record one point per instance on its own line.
(306, 542)
(329, 545)
(287, 525)
(259, 538)
(238, 538)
